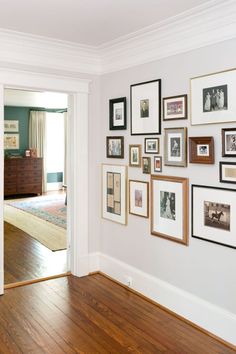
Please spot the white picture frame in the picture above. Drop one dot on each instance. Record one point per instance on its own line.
(11, 126)
(11, 141)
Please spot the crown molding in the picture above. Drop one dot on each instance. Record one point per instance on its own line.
(208, 24)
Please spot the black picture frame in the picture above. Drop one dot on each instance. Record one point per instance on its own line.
(108, 150)
(224, 132)
(221, 164)
(156, 151)
(121, 101)
(175, 115)
(136, 103)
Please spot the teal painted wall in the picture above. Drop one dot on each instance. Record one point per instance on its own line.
(22, 115)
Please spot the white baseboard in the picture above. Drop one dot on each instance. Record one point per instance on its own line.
(212, 318)
(94, 262)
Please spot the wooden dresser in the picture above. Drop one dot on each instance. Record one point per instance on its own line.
(23, 176)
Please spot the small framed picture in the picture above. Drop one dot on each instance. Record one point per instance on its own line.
(227, 172)
(11, 126)
(117, 113)
(169, 206)
(151, 145)
(139, 198)
(146, 108)
(114, 189)
(146, 163)
(175, 142)
(27, 153)
(11, 141)
(115, 147)
(135, 155)
(213, 98)
(213, 213)
(228, 142)
(157, 164)
(175, 107)
(201, 149)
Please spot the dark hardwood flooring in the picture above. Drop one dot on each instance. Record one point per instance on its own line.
(93, 315)
(25, 258)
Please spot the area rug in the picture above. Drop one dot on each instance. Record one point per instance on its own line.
(43, 218)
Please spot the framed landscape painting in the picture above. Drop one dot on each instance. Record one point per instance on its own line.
(139, 198)
(146, 108)
(169, 208)
(117, 113)
(175, 107)
(114, 193)
(213, 214)
(213, 98)
(175, 143)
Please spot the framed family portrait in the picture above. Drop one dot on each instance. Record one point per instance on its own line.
(228, 142)
(115, 147)
(201, 149)
(11, 126)
(139, 198)
(175, 107)
(151, 145)
(169, 208)
(146, 108)
(135, 155)
(212, 98)
(11, 141)
(146, 164)
(175, 142)
(157, 164)
(227, 172)
(117, 113)
(213, 214)
(114, 189)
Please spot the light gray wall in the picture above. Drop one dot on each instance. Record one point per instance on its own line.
(204, 269)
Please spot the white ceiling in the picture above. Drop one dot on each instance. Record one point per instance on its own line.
(88, 22)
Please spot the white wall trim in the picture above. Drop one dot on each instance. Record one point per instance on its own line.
(212, 318)
(207, 24)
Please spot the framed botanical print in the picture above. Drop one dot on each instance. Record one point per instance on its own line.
(228, 142)
(11, 141)
(227, 172)
(175, 107)
(175, 142)
(169, 208)
(135, 155)
(115, 147)
(11, 126)
(146, 163)
(213, 214)
(213, 98)
(151, 145)
(201, 149)
(157, 164)
(114, 189)
(139, 198)
(117, 113)
(146, 108)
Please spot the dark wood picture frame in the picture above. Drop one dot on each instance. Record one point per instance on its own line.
(139, 147)
(147, 205)
(175, 116)
(200, 142)
(119, 156)
(148, 170)
(221, 164)
(223, 133)
(157, 146)
(112, 102)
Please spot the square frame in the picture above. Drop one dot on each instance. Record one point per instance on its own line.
(114, 193)
(145, 108)
(175, 107)
(154, 166)
(213, 228)
(201, 150)
(117, 114)
(11, 126)
(231, 167)
(11, 141)
(134, 207)
(155, 142)
(117, 150)
(228, 148)
(138, 149)
(169, 218)
(175, 143)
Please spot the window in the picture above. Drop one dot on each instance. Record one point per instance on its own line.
(55, 142)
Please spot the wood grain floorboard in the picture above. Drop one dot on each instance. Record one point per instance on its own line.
(93, 315)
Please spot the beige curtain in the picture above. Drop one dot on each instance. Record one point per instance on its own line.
(37, 139)
(65, 149)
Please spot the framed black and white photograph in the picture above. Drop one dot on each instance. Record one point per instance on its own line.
(201, 149)
(146, 164)
(139, 198)
(227, 172)
(115, 147)
(175, 142)
(169, 208)
(212, 98)
(135, 155)
(117, 113)
(151, 145)
(146, 108)
(114, 193)
(228, 142)
(157, 164)
(213, 213)
(175, 107)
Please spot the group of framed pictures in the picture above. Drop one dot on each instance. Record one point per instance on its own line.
(212, 207)
(11, 134)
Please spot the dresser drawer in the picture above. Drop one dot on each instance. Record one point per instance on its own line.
(9, 175)
(29, 180)
(31, 174)
(10, 189)
(35, 188)
(29, 165)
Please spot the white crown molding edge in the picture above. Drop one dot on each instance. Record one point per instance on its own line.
(201, 26)
(204, 314)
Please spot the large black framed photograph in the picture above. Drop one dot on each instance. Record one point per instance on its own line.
(115, 147)
(117, 113)
(213, 213)
(145, 108)
(228, 142)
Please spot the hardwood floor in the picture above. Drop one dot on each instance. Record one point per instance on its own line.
(93, 315)
(26, 259)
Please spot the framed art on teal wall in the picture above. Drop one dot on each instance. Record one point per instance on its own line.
(11, 141)
(11, 126)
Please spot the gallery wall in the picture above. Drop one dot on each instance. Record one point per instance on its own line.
(204, 269)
